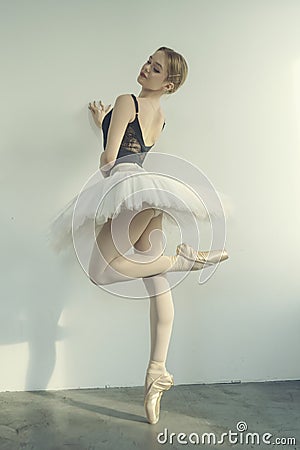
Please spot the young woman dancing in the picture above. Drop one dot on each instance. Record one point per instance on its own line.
(130, 130)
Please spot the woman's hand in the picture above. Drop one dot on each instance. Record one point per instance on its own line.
(98, 112)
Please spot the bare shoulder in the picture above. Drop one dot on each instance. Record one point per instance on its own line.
(124, 99)
(124, 106)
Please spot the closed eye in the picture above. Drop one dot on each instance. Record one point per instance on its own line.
(155, 70)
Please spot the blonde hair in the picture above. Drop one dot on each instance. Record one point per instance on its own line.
(177, 68)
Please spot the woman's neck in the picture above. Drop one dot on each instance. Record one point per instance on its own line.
(153, 96)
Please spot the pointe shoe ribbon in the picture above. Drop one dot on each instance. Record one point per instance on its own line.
(154, 393)
(207, 258)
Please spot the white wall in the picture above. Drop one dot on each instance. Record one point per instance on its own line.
(237, 118)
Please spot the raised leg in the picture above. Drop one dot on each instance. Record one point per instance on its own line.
(108, 263)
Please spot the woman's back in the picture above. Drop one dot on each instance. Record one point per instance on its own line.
(133, 144)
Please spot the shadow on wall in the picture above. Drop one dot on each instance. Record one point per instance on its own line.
(32, 317)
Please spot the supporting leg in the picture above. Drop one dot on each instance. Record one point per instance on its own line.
(161, 317)
(161, 322)
(158, 288)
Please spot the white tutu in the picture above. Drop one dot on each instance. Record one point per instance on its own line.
(132, 187)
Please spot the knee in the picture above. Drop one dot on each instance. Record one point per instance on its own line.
(101, 281)
(95, 281)
(98, 279)
(92, 281)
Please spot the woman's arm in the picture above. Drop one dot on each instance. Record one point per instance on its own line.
(121, 115)
(104, 166)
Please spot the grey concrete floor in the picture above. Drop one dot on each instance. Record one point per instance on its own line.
(113, 418)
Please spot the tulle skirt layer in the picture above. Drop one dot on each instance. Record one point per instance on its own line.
(131, 187)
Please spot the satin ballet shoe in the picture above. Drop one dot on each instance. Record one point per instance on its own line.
(153, 394)
(205, 258)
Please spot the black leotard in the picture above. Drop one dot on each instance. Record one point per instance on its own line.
(132, 145)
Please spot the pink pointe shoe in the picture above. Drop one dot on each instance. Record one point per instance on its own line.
(153, 394)
(205, 258)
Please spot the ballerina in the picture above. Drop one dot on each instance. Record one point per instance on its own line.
(130, 129)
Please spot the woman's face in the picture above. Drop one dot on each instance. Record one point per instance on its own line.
(155, 71)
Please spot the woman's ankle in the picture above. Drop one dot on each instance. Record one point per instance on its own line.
(156, 366)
